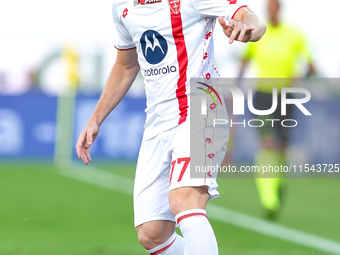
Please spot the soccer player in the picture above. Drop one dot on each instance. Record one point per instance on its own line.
(275, 56)
(170, 41)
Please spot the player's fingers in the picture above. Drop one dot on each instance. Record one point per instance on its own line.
(89, 140)
(81, 153)
(79, 145)
(78, 150)
(231, 23)
(83, 157)
(222, 22)
(233, 36)
(242, 33)
(88, 156)
(246, 30)
(227, 26)
(78, 153)
(238, 26)
(225, 23)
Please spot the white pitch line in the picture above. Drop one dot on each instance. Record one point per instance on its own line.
(99, 178)
(272, 229)
(111, 181)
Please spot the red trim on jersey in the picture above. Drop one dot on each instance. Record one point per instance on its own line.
(163, 249)
(182, 57)
(190, 215)
(125, 49)
(238, 10)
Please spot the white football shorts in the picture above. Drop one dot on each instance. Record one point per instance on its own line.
(164, 165)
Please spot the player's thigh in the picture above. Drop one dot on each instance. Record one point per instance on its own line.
(151, 189)
(186, 198)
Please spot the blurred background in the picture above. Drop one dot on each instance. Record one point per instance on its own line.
(54, 59)
(67, 48)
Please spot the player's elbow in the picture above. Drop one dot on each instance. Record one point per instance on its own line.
(135, 69)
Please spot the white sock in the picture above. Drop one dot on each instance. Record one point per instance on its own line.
(198, 234)
(174, 246)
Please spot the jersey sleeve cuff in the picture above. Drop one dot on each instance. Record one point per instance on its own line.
(238, 10)
(123, 49)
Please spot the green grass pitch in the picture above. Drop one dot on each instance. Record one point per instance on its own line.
(43, 212)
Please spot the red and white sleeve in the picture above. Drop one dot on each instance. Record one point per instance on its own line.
(234, 6)
(122, 38)
(216, 8)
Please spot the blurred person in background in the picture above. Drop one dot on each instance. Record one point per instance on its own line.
(277, 56)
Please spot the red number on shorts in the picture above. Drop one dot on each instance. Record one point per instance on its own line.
(184, 168)
(232, 1)
(173, 163)
(186, 163)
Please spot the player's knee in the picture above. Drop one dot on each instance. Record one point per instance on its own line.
(154, 233)
(149, 239)
(145, 239)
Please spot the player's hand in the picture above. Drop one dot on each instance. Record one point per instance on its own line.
(236, 30)
(85, 140)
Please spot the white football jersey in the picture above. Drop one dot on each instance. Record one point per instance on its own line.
(174, 42)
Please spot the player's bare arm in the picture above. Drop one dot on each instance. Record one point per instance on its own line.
(120, 80)
(246, 26)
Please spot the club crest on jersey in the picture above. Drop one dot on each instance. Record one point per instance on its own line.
(175, 5)
(144, 2)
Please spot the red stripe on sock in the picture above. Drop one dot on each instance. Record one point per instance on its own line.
(163, 249)
(190, 215)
